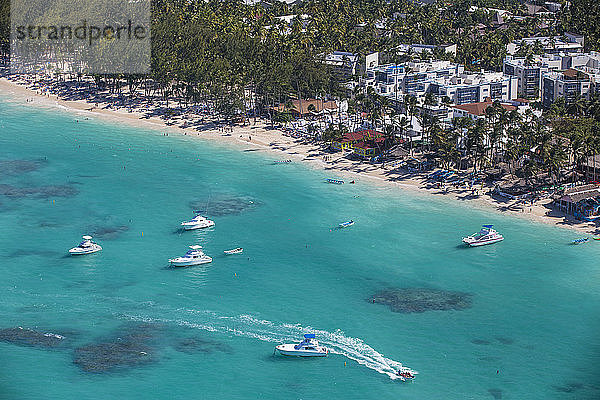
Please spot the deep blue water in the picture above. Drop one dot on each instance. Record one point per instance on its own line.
(529, 329)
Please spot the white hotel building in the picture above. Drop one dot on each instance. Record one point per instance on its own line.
(442, 78)
(553, 76)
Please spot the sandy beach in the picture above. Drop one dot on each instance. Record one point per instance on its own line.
(259, 136)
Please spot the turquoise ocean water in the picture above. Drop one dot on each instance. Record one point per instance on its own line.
(532, 331)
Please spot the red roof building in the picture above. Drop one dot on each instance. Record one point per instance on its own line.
(363, 141)
(363, 135)
(475, 110)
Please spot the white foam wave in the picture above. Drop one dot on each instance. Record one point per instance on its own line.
(54, 335)
(251, 327)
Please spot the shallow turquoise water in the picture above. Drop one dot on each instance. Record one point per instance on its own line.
(531, 333)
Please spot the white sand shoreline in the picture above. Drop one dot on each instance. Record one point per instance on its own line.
(274, 142)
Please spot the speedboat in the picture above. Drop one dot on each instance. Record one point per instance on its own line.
(406, 374)
(486, 235)
(195, 256)
(335, 181)
(198, 222)
(85, 247)
(309, 347)
(346, 224)
(580, 240)
(239, 250)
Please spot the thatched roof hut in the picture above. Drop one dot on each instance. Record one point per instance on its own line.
(579, 193)
(397, 152)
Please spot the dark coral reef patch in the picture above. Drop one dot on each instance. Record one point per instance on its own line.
(18, 167)
(225, 205)
(418, 300)
(31, 338)
(42, 192)
(130, 347)
(108, 232)
(201, 345)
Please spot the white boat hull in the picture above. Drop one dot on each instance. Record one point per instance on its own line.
(236, 251)
(188, 263)
(78, 251)
(191, 226)
(289, 350)
(483, 242)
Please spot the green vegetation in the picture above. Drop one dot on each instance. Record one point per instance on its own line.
(4, 27)
(554, 145)
(242, 59)
(216, 48)
(583, 17)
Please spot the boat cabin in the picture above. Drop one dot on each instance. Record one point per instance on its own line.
(308, 343)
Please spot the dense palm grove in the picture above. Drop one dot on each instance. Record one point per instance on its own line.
(217, 48)
(241, 60)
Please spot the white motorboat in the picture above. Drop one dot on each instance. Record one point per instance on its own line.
(194, 256)
(486, 235)
(239, 250)
(198, 222)
(346, 224)
(309, 347)
(85, 247)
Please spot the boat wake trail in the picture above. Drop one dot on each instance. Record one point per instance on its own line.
(251, 327)
(241, 325)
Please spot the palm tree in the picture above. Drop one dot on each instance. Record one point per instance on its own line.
(530, 168)
(554, 162)
(475, 143)
(578, 151)
(461, 127)
(402, 124)
(578, 106)
(410, 105)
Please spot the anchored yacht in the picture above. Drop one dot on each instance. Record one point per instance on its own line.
(85, 247)
(198, 222)
(194, 256)
(486, 235)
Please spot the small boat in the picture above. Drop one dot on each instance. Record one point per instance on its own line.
(309, 347)
(283, 161)
(486, 235)
(85, 247)
(335, 181)
(346, 224)
(239, 250)
(198, 222)
(406, 374)
(195, 256)
(580, 240)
